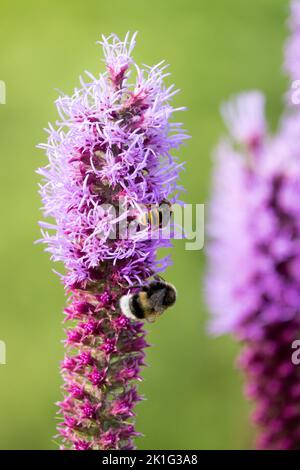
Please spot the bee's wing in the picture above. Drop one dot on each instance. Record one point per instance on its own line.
(156, 301)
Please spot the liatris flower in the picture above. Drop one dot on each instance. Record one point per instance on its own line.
(109, 154)
(253, 285)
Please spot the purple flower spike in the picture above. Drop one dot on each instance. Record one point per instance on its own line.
(253, 285)
(108, 154)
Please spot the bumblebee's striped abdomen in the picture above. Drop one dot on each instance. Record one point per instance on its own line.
(154, 218)
(151, 217)
(140, 305)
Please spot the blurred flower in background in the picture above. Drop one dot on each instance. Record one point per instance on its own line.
(109, 153)
(253, 283)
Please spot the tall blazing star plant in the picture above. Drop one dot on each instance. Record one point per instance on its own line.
(108, 155)
(253, 285)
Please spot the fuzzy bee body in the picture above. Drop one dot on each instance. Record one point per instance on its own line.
(150, 301)
(156, 216)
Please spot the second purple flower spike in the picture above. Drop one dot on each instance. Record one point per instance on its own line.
(253, 285)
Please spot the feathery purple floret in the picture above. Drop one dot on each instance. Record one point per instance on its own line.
(253, 285)
(109, 153)
(292, 51)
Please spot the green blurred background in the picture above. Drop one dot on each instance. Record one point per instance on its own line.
(215, 48)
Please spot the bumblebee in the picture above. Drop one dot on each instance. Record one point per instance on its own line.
(150, 301)
(156, 216)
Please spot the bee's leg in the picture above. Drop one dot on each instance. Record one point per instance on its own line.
(134, 286)
(143, 288)
(157, 277)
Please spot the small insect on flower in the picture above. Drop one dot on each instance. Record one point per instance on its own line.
(156, 216)
(150, 301)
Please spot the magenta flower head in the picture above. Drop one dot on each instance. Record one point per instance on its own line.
(109, 155)
(253, 285)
